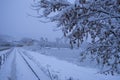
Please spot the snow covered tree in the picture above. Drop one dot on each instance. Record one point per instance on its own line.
(98, 18)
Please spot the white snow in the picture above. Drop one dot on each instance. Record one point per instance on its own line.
(46, 68)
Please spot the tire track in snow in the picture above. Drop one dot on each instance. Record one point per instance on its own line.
(45, 70)
(30, 67)
(35, 66)
(13, 70)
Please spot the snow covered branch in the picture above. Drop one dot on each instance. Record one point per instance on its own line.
(98, 18)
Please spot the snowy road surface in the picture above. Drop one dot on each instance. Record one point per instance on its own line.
(27, 65)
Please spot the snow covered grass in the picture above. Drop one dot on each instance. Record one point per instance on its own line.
(67, 54)
(64, 70)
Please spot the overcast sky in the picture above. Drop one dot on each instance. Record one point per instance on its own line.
(15, 22)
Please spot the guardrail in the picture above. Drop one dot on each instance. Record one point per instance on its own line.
(4, 57)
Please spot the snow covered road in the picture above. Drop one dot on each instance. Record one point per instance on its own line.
(27, 65)
(16, 68)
